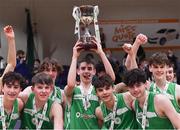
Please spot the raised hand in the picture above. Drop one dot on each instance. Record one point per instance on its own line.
(8, 31)
(141, 39)
(99, 49)
(77, 49)
(128, 48)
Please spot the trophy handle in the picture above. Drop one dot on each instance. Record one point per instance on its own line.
(96, 26)
(77, 14)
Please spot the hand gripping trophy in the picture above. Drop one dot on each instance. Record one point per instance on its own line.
(85, 15)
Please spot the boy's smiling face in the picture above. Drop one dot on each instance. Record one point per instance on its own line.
(11, 90)
(86, 72)
(158, 71)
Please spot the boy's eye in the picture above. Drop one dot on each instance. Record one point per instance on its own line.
(107, 88)
(8, 85)
(83, 68)
(90, 68)
(99, 90)
(47, 87)
(39, 87)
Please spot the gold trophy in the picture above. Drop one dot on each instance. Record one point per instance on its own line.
(85, 15)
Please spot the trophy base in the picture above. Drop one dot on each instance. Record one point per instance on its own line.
(87, 46)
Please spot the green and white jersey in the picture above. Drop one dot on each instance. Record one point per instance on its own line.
(32, 119)
(124, 116)
(10, 119)
(169, 91)
(56, 95)
(81, 112)
(153, 121)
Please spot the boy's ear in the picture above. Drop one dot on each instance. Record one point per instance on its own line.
(150, 68)
(32, 88)
(78, 71)
(147, 84)
(94, 71)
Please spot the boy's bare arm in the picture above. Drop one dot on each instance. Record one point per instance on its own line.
(164, 107)
(99, 115)
(71, 80)
(11, 56)
(107, 65)
(57, 116)
(131, 62)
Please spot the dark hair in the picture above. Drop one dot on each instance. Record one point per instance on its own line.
(47, 62)
(100, 82)
(158, 58)
(42, 78)
(170, 64)
(20, 52)
(38, 60)
(87, 60)
(11, 77)
(100, 67)
(134, 76)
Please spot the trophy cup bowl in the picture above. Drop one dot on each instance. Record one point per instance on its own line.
(86, 18)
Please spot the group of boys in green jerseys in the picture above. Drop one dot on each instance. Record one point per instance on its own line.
(144, 106)
(97, 106)
(50, 113)
(39, 104)
(157, 103)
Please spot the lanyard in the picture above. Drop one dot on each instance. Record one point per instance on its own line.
(145, 112)
(86, 97)
(3, 115)
(39, 124)
(113, 114)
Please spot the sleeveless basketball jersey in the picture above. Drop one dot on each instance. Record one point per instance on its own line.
(12, 118)
(153, 121)
(56, 95)
(28, 115)
(124, 119)
(79, 117)
(170, 93)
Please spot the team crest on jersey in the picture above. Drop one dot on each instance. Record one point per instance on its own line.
(34, 121)
(117, 120)
(85, 116)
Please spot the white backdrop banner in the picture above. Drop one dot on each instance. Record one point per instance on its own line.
(160, 32)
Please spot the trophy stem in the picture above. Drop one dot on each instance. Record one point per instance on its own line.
(87, 35)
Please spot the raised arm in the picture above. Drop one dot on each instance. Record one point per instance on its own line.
(140, 39)
(71, 80)
(11, 56)
(107, 65)
(131, 58)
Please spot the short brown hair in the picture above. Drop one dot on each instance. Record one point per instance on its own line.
(47, 62)
(158, 58)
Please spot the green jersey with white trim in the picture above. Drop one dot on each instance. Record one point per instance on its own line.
(56, 95)
(11, 119)
(29, 115)
(153, 121)
(125, 117)
(81, 111)
(170, 92)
